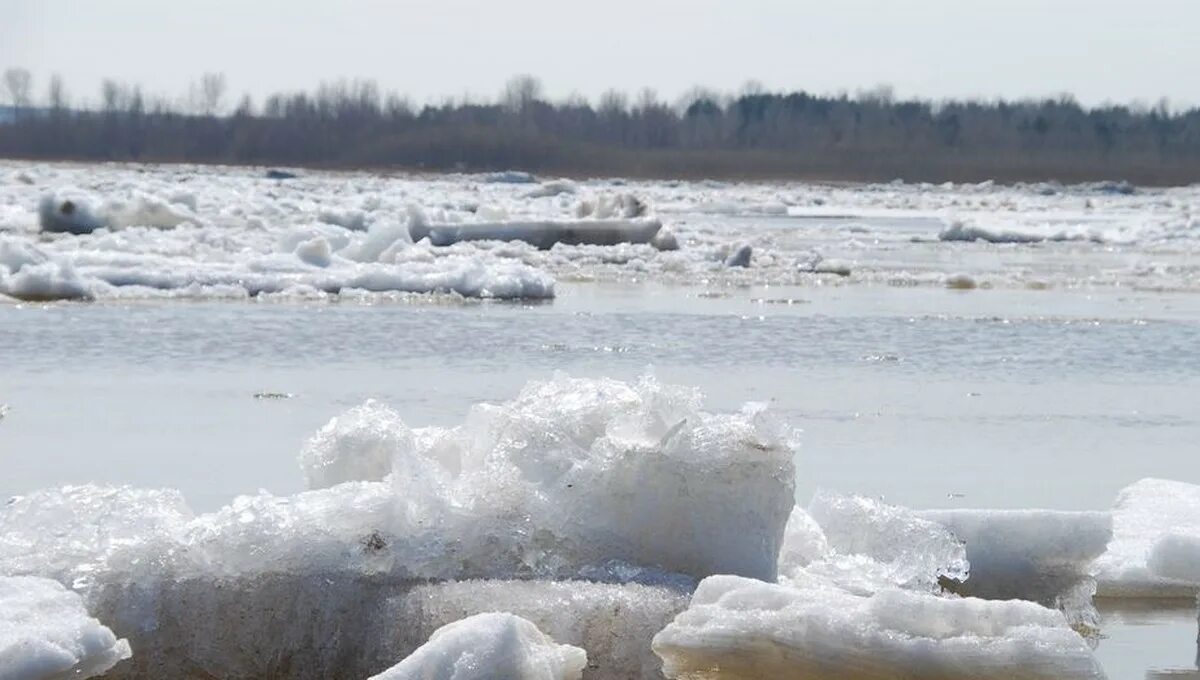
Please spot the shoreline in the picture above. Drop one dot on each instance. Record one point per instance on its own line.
(674, 166)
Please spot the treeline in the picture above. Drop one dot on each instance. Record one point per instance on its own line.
(872, 136)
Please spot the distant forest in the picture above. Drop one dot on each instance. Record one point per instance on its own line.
(872, 136)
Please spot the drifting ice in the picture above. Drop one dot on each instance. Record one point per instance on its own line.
(1025, 234)
(1028, 554)
(28, 273)
(46, 634)
(75, 212)
(543, 234)
(738, 628)
(1149, 518)
(568, 464)
(918, 552)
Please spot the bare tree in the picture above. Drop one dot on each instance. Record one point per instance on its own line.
(56, 93)
(882, 94)
(207, 93)
(245, 107)
(613, 103)
(110, 95)
(18, 82)
(521, 92)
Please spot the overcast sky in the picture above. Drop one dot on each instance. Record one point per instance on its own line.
(1100, 50)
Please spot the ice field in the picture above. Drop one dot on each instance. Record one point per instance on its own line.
(354, 425)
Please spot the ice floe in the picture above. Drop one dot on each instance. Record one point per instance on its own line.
(1153, 520)
(741, 628)
(1028, 554)
(919, 553)
(546, 233)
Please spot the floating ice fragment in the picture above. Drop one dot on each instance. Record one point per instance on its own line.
(45, 282)
(70, 212)
(509, 177)
(1176, 556)
(830, 266)
(316, 252)
(1145, 513)
(739, 256)
(612, 206)
(665, 240)
(959, 230)
(549, 189)
(917, 552)
(352, 219)
(543, 234)
(47, 634)
(494, 646)
(738, 628)
(15, 254)
(1028, 554)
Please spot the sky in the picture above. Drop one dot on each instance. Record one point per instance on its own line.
(1099, 50)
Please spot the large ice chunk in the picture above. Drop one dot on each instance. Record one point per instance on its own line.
(47, 634)
(917, 552)
(741, 628)
(45, 282)
(542, 234)
(581, 471)
(28, 273)
(1176, 556)
(494, 646)
(959, 230)
(1028, 554)
(72, 211)
(1145, 513)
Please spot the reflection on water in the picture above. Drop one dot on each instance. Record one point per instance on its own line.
(1154, 638)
